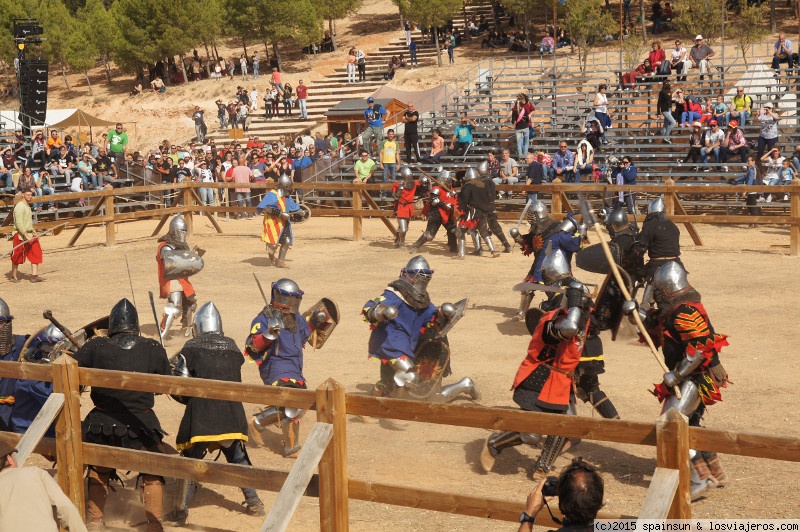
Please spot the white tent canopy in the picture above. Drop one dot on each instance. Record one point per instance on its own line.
(57, 118)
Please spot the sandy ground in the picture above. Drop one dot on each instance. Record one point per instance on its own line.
(748, 285)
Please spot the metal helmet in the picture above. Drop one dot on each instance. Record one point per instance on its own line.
(470, 174)
(656, 206)
(405, 173)
(123, 318)
(6, 333)
(445, 178)
(177, 229)
(286, 295)
(669, 279)
(207, 320)
(418, 272)
(285, 183)
(555, 267)
(618, 220)
(51, 334)
(538, 215)
(483, 168)
(41, 346)
(569, 225)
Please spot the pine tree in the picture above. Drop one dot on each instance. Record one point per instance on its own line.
(81, 52)
(58, 26)
(331, 10)
(101, 31)
(587, 24)
(429, 13)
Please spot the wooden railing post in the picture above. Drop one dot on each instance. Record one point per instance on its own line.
(794, 228)
(111, 237)
(669, 198)
(69, 453)
(556, 208)
(672, 452)
(188, 208)
(333, 489)
(357, 206)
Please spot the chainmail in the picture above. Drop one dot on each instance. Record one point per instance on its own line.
(6, 337)
(688, 294)
(409, 293)
(125, 340)
(212, 342)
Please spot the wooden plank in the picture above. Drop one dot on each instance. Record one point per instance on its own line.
(357, 221)
(785, 448)
(660, 494)
(191, 387)
(384, 219)
(69, 452)
(476, 506)
(21, 370)
(794, 230)
(672, 452)
(84, 223)
(212, 219)
(111, 237)
(188, 215)
(41, 423)
(289, 497)
(503, 419)
(161, 223)
(333, 506)
(688, 225)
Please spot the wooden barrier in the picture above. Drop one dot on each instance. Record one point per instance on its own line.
(563, 196)
(671, 436)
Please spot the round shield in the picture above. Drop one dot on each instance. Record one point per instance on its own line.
(432, 364)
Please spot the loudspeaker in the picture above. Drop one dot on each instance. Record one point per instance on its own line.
(33, 89)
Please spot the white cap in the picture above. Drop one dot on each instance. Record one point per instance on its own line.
(768, 104)
(698, 38)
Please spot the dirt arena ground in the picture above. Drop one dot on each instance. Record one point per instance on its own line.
(748, 284)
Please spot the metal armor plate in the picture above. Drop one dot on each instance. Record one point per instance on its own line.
(608, 304)
(593, 258)
(320, 333)
(181, 263)
(302, 215)
(461, 308)
(432, 364)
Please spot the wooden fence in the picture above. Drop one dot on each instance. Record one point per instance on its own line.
(563, 196)
(671, 436)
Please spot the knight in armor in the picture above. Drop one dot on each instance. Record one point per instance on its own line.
(475, 204)
(544, 380)
(123, 418)
(405, 325)
(276, 232)
(277, 337)
(442, 211)
(681, 327)
(211, 424)
(660, 239)
(405, 192)
(30, 395)
(10, 350)
(491, 218)
(176, 262)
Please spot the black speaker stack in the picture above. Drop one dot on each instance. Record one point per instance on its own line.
(33, 77)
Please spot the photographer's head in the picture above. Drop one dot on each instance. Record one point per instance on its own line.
(580, 493)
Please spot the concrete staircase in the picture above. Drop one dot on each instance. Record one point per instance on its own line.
(324, 94)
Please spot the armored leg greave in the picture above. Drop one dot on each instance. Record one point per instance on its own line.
(495, 443)
(171, 311)
(715, 467)
(462, 244)
(490, 245)
(152, 494)
(280, 261)
(421, 241)
(291, 437)
(476, 240)
(450, 392)
(524, 304)
(603, 405)
(553, 446)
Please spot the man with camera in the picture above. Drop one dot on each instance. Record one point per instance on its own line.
(580, 496)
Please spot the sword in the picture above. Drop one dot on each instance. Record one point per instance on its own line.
(589, 220)
(130, 280)
(260, 288)
(155, 316)
(515, 231)
(48, 315)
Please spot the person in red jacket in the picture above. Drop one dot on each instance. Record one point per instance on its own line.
(545, 380)
(404, 192)
(441, 210)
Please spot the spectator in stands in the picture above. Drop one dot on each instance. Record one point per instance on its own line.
(509, 172)
(548, 45)
(699, 55)
(105, 168)
(158, 85)
(692, 109)
(389, 158)
(735, 145)
(137, 89)
(678, 61)
(563, 164)
(492, 165)
(796, 158)
(630, 79)
(787, 175)
(719, 112)
(750, 174)
(26, 181)
(361, 64)
(373, 114)
(584, 160)
(8, 165)
(412, 54)
(521, 115)
(601, 110)
(242, 174)
(437, 147)
(658, 59)
(320, 146)
(696, 143)
(62, 162)
(708, 113)
(593, 131)
(43, 186)
(741, 107)
(462, 136)
(782, 53)
(391, 68)
(534, 175)
(54, 142)
(773, 160)
(625, 175)
(20, 150)
(351, 66)
(364, 169)
(768, 121)
(580, 497)
(242, 115)
(302, 98)
(71, 146)
(664, 108)
(713, 144)
(88, 176)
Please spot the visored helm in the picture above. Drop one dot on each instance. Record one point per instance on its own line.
(470, 174)
(445, 178)
(555, 267)
(656, 206)
(177, 229)
(418, 272)
(207, 320)
(285, 183)
(569, 225)
(405, 173)
(42, 344)
(618, 220)
(483, 168)
(123, 318)
(286, 296)
(538, 215)
(668, 280)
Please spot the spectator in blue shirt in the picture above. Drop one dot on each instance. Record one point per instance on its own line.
(563, 164)
(373, 114)
(462, 136)
(626, 175)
